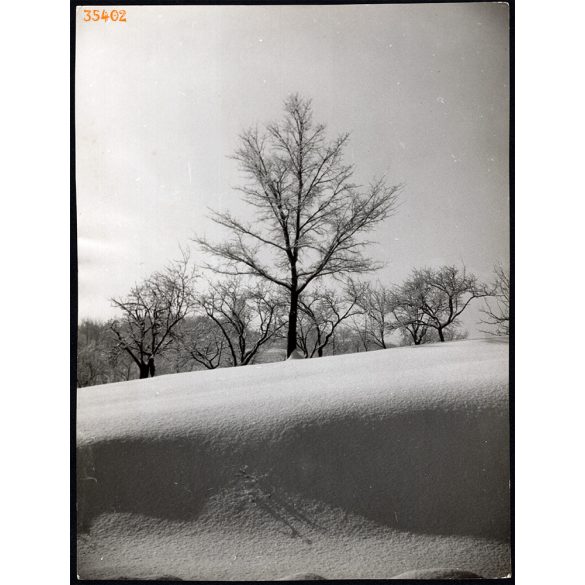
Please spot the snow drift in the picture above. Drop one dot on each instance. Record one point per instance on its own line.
(293, 467)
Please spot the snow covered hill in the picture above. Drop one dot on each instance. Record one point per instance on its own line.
(355, 466)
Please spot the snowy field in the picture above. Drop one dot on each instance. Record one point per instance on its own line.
(359, 466)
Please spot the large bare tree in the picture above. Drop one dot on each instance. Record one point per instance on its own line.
(151, 313)
(310, 216)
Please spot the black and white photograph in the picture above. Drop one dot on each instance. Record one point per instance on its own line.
(294, 287)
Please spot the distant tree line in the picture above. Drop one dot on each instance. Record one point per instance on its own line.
(182, 322)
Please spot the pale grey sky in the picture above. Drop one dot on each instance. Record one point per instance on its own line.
(160, 101)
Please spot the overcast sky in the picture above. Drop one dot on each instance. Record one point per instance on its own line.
(160, 101)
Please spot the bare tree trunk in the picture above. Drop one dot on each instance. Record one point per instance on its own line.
(441, 335)
(143, 371)
(291, 344)
(414, 336)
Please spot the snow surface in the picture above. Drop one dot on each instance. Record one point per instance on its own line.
(356, 466)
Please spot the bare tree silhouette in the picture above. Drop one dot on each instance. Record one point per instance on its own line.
(434, 299)
(151, 313)
(497, 312)
(310, 216)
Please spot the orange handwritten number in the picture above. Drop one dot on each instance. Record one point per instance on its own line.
(95, 16)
